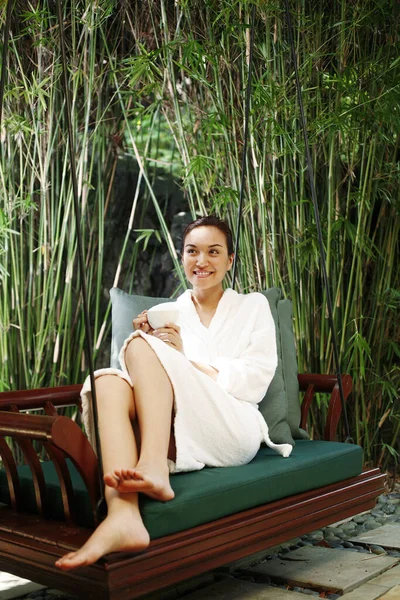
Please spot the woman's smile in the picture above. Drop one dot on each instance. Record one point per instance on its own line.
(202, 273)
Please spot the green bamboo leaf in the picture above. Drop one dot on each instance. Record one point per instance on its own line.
(392, 451)
(146, 235)
(198, 164)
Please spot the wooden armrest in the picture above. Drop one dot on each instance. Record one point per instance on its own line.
(33, 399)
(322, 383)
(62, 439)
(311, 383)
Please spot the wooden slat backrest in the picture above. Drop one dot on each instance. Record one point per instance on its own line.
(62, 438)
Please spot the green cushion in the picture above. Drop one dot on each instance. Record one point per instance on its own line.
(274, 406)
(209, 494)
(84, 515)
(290, 370)
(125, 307)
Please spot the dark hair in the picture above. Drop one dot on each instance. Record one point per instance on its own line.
(210, 221)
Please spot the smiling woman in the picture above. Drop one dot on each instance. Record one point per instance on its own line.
(186, 395)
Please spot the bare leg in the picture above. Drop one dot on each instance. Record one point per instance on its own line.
(153, 402)
(123, 529)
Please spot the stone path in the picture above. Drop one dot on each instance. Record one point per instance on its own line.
(356, 559)
(387, 536)
(324, 569)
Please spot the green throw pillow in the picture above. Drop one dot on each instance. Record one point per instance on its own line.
(125, 307)
(290, 370)
(274, 406)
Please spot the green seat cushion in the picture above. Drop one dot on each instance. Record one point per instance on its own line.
(209, 494)
(53, 500)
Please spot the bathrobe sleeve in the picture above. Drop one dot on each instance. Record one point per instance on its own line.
(248, 376)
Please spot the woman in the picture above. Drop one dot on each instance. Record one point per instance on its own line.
(186, 396)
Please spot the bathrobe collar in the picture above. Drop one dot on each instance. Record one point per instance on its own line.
(225, 305)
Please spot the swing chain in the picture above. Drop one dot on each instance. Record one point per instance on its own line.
(81, 259)
(245, 136)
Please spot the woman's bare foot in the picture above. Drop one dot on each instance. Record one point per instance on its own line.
(150, 481)
(117, 533)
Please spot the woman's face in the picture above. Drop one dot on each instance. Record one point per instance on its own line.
(205, 257)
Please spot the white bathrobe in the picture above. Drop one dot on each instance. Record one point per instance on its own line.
(217, 423)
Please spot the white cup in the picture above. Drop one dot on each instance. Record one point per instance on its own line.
(161, 314)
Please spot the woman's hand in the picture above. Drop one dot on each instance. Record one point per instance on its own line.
(171, 335)
(141, 323)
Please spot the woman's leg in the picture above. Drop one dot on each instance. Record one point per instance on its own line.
(154, 406)
(123, 528)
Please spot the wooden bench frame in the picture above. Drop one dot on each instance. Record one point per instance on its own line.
(30, 544)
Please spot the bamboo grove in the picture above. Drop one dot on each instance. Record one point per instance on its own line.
(164, 82)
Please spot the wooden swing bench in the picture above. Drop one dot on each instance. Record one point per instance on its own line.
(217, 516)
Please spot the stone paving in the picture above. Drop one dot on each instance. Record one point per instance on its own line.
(14, 587)
(324, 569)
(387, 536)
(355, 559)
